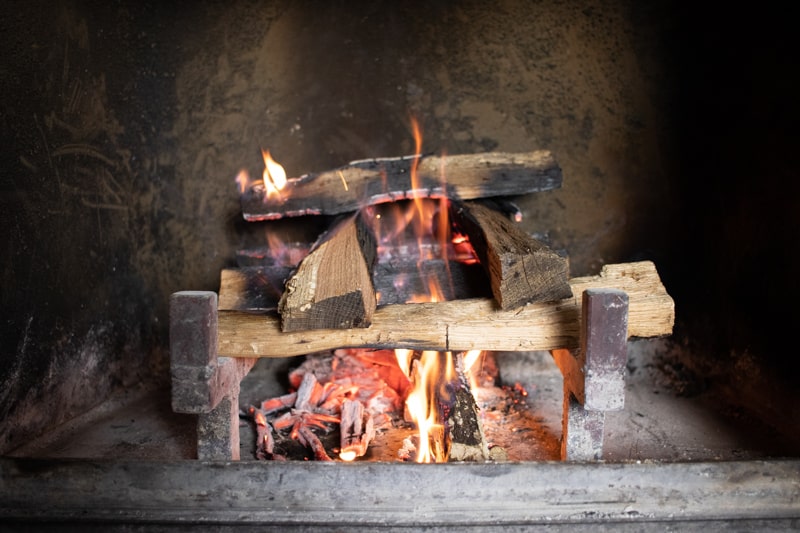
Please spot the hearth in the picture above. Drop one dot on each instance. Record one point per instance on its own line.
(125, 124)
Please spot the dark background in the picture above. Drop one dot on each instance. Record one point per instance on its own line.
(124, 123)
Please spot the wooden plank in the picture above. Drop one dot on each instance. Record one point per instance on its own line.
(521, 269)
(376, 181)
(332, 287)
(474, 324)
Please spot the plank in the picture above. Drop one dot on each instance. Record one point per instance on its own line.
(473, 324)
(374, 181)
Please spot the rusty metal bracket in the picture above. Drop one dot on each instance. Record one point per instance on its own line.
(203, 383)
(594, 375)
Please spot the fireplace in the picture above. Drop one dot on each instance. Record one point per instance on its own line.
(124, 126)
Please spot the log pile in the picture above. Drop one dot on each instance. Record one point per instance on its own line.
(330, 299)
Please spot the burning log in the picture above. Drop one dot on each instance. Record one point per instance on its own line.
(265, 443)
(332, 287)
(462, 325)
(520, 268)
(444, 409)
(357, 430)
(375, 181)
(463, 421)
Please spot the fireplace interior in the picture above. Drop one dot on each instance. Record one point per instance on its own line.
(125, 124)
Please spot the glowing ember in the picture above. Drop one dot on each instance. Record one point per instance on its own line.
(347, 455)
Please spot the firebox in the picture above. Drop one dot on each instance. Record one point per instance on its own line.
(125, 125)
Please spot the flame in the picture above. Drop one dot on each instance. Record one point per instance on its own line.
(470, 357)
(429, 374)
(424, 223)
(274, 176)
(243, 181)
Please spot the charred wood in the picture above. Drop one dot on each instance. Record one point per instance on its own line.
(462, 420)
(356, 428)
(309, 439)
(521, 269)
(257, 288)
(375, 181)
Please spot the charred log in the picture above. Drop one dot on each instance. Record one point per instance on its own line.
(375, 181)
(521, 269)
(356, 428)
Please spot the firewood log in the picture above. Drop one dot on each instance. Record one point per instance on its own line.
(474, 324)
(332, 287)
(357, 430)
(521, 269)
(375, 181)
(463, 421)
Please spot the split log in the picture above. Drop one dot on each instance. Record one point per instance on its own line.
(332, 287)
(521, 269)
(357, 430)
(463, 421)
(375, 181)
(461, 325)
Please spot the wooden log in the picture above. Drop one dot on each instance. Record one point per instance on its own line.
(375, 181)
(398, 281)
(521, 269)
(461, 325)
(357, 430)
(463, 421)
(332, 288)
(253, 288)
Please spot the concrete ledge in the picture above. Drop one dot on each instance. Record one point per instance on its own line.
(393, 495)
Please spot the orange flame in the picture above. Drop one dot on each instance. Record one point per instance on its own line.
(347, 455)
(274, 176)
(429, 373)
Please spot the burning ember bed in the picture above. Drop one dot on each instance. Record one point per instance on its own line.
(398, 308)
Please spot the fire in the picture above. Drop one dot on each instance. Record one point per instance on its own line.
(273, 178)
(274, 175)
(425, 224)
